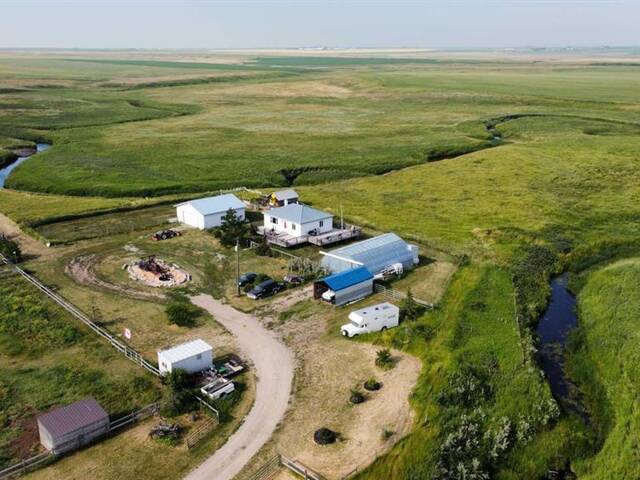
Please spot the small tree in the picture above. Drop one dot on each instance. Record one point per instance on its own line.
(232, 229)
(409, 308)
(10, 248)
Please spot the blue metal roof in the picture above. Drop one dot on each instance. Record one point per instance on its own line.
(217, 204)
(348, 278)
(374, 253)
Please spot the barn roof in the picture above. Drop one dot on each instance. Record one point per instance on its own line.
(217, 204)
(348, 278)
(185, 350)
(68, 419)
(285, 194)
(298, 213)
(374, 253)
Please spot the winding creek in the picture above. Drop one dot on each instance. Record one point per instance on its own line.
(6, 171)
(553, 330)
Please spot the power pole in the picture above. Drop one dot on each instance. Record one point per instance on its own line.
(238, 266)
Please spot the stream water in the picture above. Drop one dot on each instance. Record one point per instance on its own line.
(559, 319)
(4, 172)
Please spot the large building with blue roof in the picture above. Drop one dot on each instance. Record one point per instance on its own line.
(374, 254)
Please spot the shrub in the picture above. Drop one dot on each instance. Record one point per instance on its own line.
(356, 396)
(409, 308)
(372, 384)
(182, 313)
(384, 358)
(10, 249)
(264, 249)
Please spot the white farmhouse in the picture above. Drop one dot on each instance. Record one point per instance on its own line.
(297, 220)
(208, 212)
(192, 357)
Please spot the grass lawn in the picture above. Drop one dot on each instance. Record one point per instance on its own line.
(604, 362)
(48, 360)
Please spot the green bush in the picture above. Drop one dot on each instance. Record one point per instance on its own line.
(182, 313)
(384, 358)
(10, 248)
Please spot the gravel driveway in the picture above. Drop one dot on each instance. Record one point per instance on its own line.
(273, 364)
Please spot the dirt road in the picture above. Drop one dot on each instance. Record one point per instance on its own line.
(273, 365)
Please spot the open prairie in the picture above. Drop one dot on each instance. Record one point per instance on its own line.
(512, 167)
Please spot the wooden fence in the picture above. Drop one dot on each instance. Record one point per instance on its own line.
(127, 351)
(299, 469)
(392, 294)
(199, 433)
(269, 470)
(136, 416)
(26, 465)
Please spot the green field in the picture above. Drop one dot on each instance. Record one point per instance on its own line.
(605, 360)
(48, 360)
(518, 170)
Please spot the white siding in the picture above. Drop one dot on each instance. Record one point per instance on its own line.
(296, 229)
(190, 216)
(193, 364)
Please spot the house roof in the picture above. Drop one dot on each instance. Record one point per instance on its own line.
(298, 213)
(217, 204)
(374, 253)
(348, 278)
(285, 194)
(185, 350)
(68, 419)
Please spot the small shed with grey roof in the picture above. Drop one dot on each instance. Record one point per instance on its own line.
(73, 426)
(283, 197)
(208, 212)
(375, 254)
(297, 220)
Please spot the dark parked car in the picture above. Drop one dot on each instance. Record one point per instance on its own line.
(265, 289)
(247, 278)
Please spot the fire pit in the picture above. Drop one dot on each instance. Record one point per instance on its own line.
(156, 273)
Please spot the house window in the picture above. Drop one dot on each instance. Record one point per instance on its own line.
(274, 220)
(293, 226)
(199, 356)
(321, 223)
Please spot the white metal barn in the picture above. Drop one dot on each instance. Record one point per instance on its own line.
(297, 220)
(192, 357)
(208, 212)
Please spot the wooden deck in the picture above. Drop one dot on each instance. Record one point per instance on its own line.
(334, 236)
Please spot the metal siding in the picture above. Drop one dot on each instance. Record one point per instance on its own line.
(354, 292)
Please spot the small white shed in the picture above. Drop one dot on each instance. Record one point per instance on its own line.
(192, 357)
(208, 212)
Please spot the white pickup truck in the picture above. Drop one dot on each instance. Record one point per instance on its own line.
(371, 319)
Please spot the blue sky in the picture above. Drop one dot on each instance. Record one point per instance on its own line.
(268, 24)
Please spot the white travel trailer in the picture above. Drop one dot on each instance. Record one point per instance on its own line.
(371, 319)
